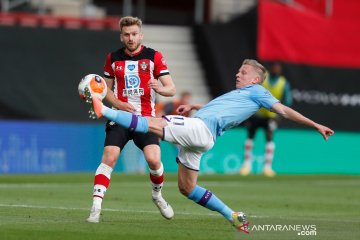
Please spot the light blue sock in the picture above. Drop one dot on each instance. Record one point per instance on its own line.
(126, 119)
(207, 199)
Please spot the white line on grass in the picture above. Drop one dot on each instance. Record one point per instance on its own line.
(179, 213)
(104, 209)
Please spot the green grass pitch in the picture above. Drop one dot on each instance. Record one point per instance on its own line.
(56, 206)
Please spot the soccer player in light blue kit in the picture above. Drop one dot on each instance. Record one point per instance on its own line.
(198, 134)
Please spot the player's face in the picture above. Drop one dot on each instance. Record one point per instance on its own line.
(246, 76)
(131, 36)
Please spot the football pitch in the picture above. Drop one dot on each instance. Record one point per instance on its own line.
(285, 207)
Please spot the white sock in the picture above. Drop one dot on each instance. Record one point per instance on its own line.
(269, 154)
(157, 181)
(248, 152)
(101, 183)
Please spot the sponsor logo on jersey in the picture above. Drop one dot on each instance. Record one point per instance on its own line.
(132, 83)
(129, 92)
(131, 67)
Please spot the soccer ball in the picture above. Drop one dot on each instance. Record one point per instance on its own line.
(96, 85)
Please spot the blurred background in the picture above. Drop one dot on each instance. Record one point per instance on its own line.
(47, 46)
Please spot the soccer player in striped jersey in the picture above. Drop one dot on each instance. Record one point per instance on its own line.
(198, 134)
(132, 74)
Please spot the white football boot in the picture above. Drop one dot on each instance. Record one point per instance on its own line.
(164, 207)
(94, 216)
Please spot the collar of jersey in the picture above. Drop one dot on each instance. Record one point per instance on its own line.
(246, 87)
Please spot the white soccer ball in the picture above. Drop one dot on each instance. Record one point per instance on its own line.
(96, 85)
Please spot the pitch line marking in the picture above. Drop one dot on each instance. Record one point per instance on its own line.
(179, 213)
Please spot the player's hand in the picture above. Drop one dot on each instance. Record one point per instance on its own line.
(325, 131)
(183, 109)
(154, 84)
(126, 107)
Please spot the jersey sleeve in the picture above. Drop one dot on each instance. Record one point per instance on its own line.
(160, 68)
(264, 98)
(108, 70)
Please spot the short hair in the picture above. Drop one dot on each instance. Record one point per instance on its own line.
(129, 21)
(259, 68)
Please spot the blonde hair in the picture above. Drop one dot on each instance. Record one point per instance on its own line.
(129, 21)
(259, 68)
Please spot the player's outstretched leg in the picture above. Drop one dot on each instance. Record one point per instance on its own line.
(208, 200)
(95, 104)
(124, 119)
(187, 179)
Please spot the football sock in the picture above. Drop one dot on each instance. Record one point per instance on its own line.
(248, 151)
(126, 119)
(269, 153)
(101, 183)
(207, 199)
(157, 181)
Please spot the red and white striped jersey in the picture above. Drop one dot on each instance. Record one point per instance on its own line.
(131, 75)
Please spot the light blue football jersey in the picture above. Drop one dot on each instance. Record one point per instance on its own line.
(232, 108)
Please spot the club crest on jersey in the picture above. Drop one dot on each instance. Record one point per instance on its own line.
(131, 67)
(143, 66)
(132, 83)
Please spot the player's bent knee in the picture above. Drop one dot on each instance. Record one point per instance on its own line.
(110, 155)
(153, 162)
(110, 160)
(185, 190)
(154, 165)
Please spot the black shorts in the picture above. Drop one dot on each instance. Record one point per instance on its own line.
(255, 122)
(119, 136)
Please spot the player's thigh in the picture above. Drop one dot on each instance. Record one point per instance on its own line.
(142, 140)
(251, 131)
(115, 140)
(252, 125)
(149, 143)
(190, 158)
(116, 135)
(271, 126)
(188, 133)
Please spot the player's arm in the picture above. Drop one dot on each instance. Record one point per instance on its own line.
(295, 116)
(166, 88)
(114, 101)
(161, 73)
(184, 109)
